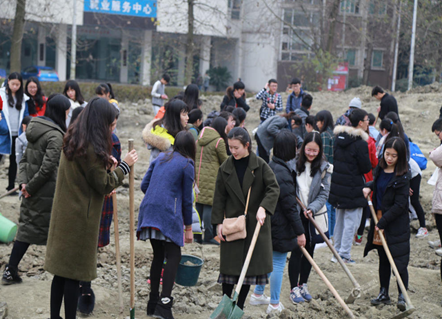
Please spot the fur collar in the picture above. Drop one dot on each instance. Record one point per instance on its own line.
(350, 130)
(155, 140)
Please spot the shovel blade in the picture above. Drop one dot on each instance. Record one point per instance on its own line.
(405, 314)
(224, 309)
(237, 313)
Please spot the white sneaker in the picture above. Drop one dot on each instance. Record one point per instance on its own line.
(434, 244)
(261, 300)
(319, 246)
(439, 252)
(422, 232)
(277, 309)
(334, 260)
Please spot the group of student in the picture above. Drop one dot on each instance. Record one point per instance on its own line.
(202, 173)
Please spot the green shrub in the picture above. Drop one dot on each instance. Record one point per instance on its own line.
(219, 77)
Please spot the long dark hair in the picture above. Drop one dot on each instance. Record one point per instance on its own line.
(18, 95)
(191, 96)
(172, 117)
(92, 127)
(327, 119)
(394, 129)
(316, 164)
(399, 146)
(71, 84)
(184, 144)
(241, 135)
(56, 108)
(37, 100)
(219, 124)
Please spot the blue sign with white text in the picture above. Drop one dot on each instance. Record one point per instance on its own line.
(137, 8)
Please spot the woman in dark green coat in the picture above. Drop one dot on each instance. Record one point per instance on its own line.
(83, 181)
(37, 176)
(236, 175)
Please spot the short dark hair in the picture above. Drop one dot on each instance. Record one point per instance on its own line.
(372, 118)
(75, 113)
(238, 86)
(295, 81)
(437, 125)
(284, 146)
(228, 108)
(377, 89)
(307, 101)
(166, 78)
(311, 119)
(240, 114)
(241, 135)
(195, 115)
(356, 116)
(56, 108)
(226, 115)
(26, 120)
(398, 144)
(326, 118)
(272, 81)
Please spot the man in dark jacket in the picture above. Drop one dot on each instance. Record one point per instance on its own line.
(235, 96)
(388, 102)
(294, 100)
(351, 161)
(303, 113)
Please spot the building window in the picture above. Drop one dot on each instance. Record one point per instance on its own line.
(235, 9)
(377, 7)
(350, 6)
(377, 59)
(351, 57)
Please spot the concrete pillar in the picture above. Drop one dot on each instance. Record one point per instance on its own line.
(124, 67)
(181, 66)
(60, 54)
(146, 56)
(41, 47)
(205, 54)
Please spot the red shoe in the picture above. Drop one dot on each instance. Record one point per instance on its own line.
(358, 240)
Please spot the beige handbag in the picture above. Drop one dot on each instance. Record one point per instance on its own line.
(235, 228)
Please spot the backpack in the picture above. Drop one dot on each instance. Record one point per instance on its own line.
(418, 156)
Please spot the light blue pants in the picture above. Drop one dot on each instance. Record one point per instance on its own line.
(279, 261)
(347, 223)
(331, 212)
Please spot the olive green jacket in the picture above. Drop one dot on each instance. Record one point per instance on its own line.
(76, 212)
(38, 170)
(230, 201)
(210, 154)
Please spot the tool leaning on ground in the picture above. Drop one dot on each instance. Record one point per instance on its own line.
(409, 307)
(9, 192)
(356, 291)
(117, 253)
(227, 309)
(132, 234)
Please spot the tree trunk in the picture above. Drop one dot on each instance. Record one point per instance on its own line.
(367, 63)
(17, 36)
(331, 30)
(189, 44)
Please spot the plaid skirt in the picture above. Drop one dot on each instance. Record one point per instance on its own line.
(106, 221)
(248, 280)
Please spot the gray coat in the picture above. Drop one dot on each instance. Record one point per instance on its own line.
(158, 89)
(268, 130)
(300, 131)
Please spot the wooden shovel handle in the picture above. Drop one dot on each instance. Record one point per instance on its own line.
(390, 258)
(9, 192)
(332, 248)
(327, 282)
(117, 253)
(245, 267)
(132, 230)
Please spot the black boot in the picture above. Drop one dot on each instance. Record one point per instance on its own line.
(86, 300)
(152, 303)
(383, 298)
(401, 302)
(10, 276)
(163, 309)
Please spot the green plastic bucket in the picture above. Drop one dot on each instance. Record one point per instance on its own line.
(8, 230)
(189, 270)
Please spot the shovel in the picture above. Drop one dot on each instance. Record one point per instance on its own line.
(356, 291)
(132, 234)
(9, 192)
(117, 253)
(409, 307)
(227, 309)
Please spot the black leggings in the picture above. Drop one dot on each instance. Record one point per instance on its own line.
(415, 184)
(228, 289)
(438, 219)
(12, 171)
(299, 266)
(365, 215)
(69, 289)
(385, 271)
(172, 252)
(261, 150)
(18, 251)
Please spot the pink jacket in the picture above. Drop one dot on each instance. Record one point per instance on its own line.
(436, 157)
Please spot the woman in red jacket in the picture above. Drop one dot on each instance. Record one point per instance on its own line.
(37, 100)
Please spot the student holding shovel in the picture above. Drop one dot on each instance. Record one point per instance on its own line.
(241, 174)
(390, 189)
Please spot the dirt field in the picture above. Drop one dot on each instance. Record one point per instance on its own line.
(418, 110)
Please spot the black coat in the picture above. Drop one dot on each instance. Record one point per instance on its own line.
(286, 221)
(388, 104)
(351, 161)
(229, 99)
(395, 220)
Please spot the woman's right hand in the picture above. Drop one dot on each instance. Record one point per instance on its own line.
(131, 158)
(219, 231)
(301, 240)
(366, 192)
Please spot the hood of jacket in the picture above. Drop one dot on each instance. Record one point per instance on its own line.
(40, 126)
(346, 135)
(157, 137)
(229, 92)
(208, 135)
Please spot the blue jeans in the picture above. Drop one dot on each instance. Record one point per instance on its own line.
(331, 212)
(279, 260)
